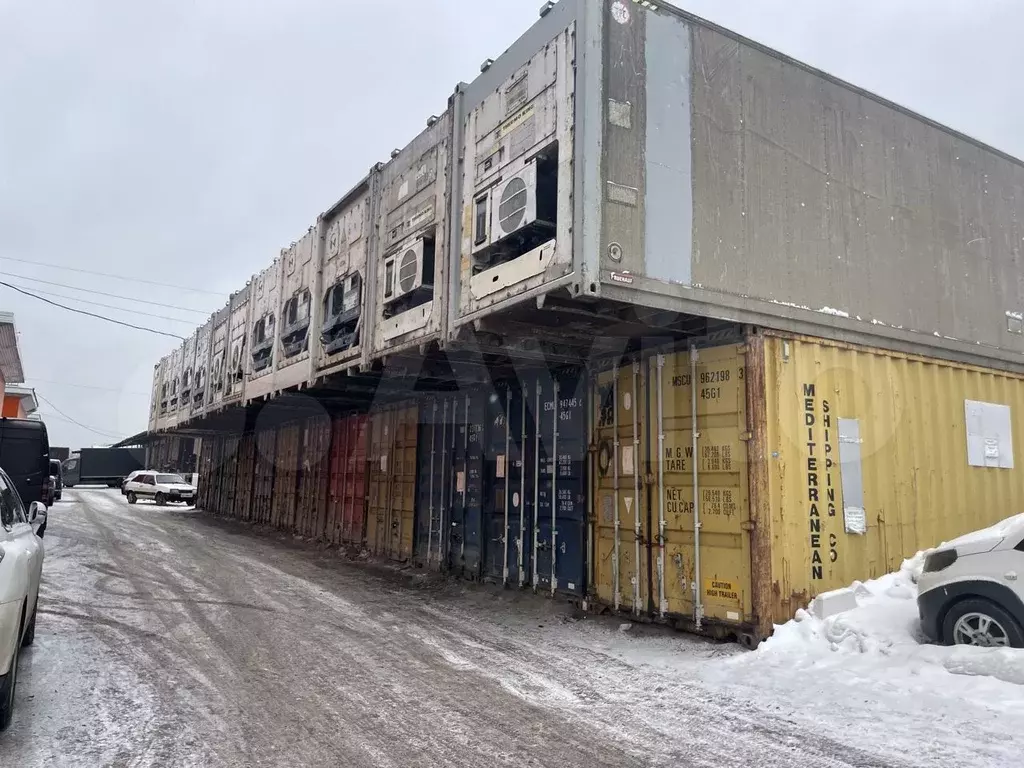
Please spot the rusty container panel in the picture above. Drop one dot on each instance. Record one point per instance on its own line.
(346, 500)
(392, 482)
(229, 477)
(724, 579)
(263, 481)
(209, 459)
(286, 476)
(875, 455)
(245, 474)
(314, 477)
(619, 570)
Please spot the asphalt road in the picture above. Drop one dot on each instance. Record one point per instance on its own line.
(169, 639)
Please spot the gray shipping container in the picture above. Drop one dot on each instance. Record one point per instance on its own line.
(715, 177)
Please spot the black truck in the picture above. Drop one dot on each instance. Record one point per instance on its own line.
(102, 466)
(25, 457)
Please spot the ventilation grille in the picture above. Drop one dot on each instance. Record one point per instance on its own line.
(407, 271)
(512, 207)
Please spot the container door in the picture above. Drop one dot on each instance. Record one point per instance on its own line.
(722, 576)
(311, 507)
(356, 478)
(393, 483)
(434, 474)
(246, 459)
(266, 441)
(561, 495)
(466, 530)
(621, 569)
(502, 498)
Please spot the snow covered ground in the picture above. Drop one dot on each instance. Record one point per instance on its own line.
(868, 672)
(168, 638)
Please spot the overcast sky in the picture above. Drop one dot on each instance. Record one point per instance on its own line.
(185, 141)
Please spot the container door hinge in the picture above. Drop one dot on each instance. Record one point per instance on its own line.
(748, 525)
(746, 436)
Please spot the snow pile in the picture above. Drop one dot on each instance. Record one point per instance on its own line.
(882, 637)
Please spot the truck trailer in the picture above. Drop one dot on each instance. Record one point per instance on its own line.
(102, 466)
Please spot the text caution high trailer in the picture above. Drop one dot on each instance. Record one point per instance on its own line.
(732, 484)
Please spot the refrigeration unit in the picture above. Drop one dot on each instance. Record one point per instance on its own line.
(345, 243)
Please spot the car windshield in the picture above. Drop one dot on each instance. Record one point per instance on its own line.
(169, 479)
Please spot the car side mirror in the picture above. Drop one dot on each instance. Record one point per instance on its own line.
(36, 510)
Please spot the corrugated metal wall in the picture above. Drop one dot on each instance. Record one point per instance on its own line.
(245, 482)
(314, 467)
(346, 494)
(392, 496)
(263, 487)
(915, 486)
(286, 474)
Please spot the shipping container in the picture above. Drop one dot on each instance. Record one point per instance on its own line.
(870, 456)
(229, 477)
(220, 357)
(815, 464)
(241, 305)
(201, 376)
(262, 332)
(172, 381)
(392, 481)
(314, 477)
(346, 498)
(212, 450)
(263, 486)
(517, 120)
(411, 262)
(286, 474)
(778, 195)
(344, 318)
(246, 478)
(452, 486)
(300, 277)
(156, 404)
(188, 367)
(502, 483)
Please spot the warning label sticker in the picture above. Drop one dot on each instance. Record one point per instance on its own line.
(719, 589)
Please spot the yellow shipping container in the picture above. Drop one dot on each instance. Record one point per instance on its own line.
(392, 484)
(816, 463)
(869, 459)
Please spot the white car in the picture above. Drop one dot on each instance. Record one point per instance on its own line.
(971, 591)
(21, 566)
(162, 487)
(132, 476)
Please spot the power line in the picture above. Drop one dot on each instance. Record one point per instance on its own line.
(87, 386)
(112, 306)
(93, 314)
(73, 421)
(115, 277)
(108, 435)
(108, 295)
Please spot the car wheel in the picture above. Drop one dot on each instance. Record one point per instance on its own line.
(7, 686)
(132, 498)
(161, 500)
(30, 631)
(983, 623)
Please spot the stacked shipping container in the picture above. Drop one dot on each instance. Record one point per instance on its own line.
(594, 177)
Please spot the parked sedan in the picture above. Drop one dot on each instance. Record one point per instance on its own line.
(971, 591)
(163, 488)
(21, 566)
